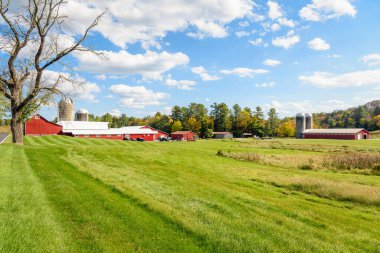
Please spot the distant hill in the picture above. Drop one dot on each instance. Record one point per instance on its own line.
(362, 116)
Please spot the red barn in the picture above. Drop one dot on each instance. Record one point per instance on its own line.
(341, 133)
(184, 135)
(38, 126)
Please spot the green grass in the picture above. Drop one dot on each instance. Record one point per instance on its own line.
(61, 194)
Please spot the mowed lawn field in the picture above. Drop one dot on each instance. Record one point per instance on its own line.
(61, 194)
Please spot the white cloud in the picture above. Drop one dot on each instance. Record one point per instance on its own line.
(244, 24)
(274, 10)
(328, 80)
(128, 22)
(182, 84)
(266, 85)
(258, 42)
(137, 96)
(334, 56)
(205, 76)
(371, 59)
(241, 34)
(292, 108)
(72, 86)
(287, 41)
(150, 65)
(322, 10)
(286, 22)
(115, 113)
(318, 44)
(271, 62)
(275, 27)
(244, 72)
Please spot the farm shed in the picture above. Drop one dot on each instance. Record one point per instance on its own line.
(222, 135)
(246, 135)
(184, 135)
(341, 133)
(39, 126)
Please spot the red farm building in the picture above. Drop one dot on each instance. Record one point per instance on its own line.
(342, 134)
(184, 135)
(39, 126)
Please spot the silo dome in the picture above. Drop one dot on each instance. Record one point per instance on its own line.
(66, 110)
(81, 115)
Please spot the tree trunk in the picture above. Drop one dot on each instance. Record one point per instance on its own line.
(17, 129)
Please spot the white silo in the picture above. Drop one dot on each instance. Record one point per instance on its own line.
(300, 125)
(81, 115)
(66, 110)
(309, 120)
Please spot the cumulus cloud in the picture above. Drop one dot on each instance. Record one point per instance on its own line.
(328, 80)
(286, 22)
(150, 65)
(128, 22)
(258, 42)
(286, 41)
(271, 62)
(371, 59)
(322, 10)
(182, 84)
(274, 11)
(115, 113)
(292, 108)
(266, 85)
(205, 76)
(318, 44)
(242, 34)
(137, 96)
(244, 72)
(73, 86)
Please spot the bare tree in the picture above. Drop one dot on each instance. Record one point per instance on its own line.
(31, 38)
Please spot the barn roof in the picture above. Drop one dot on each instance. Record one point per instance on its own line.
(182, 132)
(334, 131)
(221, 133)
(68, 126)
(113, 131)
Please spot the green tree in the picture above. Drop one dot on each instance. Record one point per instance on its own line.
(273, 122)
(221, 116)
(177, 126)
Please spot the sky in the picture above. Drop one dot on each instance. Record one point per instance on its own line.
(295, 56)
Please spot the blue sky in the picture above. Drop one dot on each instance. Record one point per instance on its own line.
(296, 56)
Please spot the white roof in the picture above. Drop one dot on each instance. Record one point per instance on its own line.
(137, 130)
(333, 131)
(68, 126)
(106, 131)
(112, 131)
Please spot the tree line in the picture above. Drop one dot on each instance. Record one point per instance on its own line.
(203, 121)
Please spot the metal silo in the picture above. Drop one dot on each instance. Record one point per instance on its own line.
(309, 120)
(300, 125)
(66, 110)
(81, 115)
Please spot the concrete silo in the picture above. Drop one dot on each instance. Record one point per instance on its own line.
(81, 115)
(66, 110)
(309, 120)
(300, 125)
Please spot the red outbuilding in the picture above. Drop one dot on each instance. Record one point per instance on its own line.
(39, 126)
(184, 135)
(341, 133)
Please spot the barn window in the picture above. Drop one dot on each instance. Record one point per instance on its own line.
(86, 135)
(108, 135)
(119, 135)
(97, 135)
(37, 117)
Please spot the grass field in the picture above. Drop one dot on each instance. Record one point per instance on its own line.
(60, 194)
